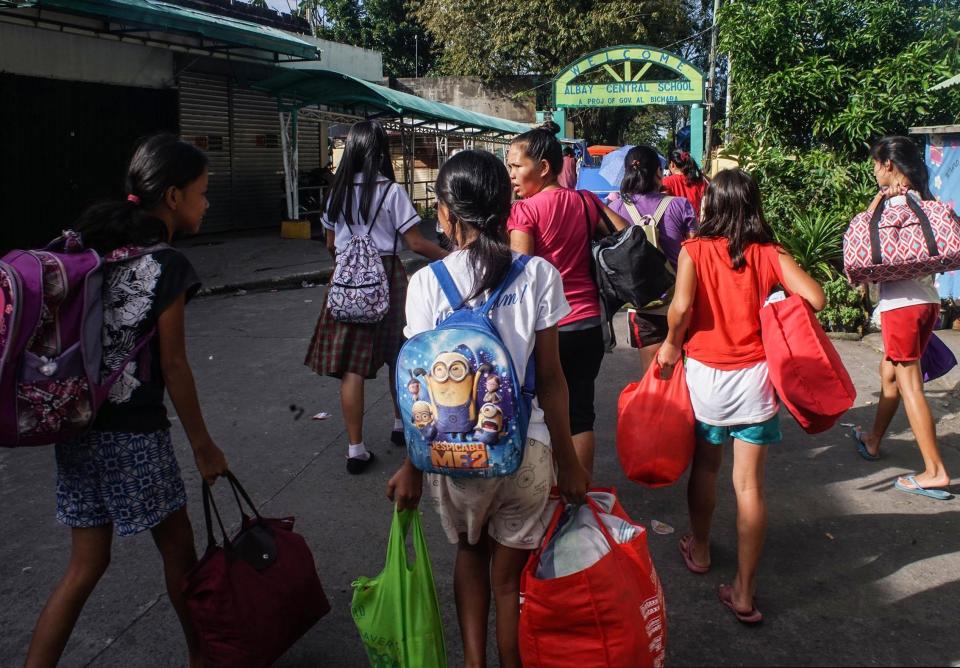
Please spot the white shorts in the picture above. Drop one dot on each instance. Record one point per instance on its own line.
(512, 507)
(731, 397)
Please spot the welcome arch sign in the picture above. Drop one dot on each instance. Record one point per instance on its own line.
(634, 75)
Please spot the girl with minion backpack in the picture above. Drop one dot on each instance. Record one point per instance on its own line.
(461, 406)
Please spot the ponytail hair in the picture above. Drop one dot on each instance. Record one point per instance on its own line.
(641, 169)
(732, 209)
(160, 162)
(541, 144)
(904, 153)
(685, 162)
(475, 188)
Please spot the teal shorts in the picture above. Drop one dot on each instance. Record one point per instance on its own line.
(761, 433)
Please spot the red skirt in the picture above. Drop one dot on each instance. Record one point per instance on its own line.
(344, 347)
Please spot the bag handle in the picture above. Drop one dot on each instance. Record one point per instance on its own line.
(403, 522)
(925, 227)
(208, 503)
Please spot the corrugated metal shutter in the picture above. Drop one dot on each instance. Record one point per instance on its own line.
(205, 120)
(308, 136)
(240, 130)
(257, 160)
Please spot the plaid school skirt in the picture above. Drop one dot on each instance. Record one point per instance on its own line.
(344, 347)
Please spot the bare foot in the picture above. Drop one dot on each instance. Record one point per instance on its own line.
(927, 480)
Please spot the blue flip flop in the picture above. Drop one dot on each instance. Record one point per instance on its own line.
(938, 494)
(855, 434)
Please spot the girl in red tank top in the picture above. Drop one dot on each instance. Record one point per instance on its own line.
(724, 275)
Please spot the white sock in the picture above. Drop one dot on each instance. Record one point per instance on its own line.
(397, 424)
(358, 451)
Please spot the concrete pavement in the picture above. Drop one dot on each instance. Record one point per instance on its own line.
(854, 572)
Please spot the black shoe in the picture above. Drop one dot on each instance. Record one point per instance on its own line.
(398, 439)
(356, 465)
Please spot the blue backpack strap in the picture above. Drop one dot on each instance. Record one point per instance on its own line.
(446, 284)
(515, 270)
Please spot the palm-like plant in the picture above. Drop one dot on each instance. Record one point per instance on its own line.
(815, 240)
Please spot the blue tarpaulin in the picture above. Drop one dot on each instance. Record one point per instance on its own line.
(943, 162)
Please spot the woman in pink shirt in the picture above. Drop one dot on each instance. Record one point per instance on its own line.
(557, 224)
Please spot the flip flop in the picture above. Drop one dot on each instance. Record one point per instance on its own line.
(857, 435)
(752, 618)
(938, 494)
(686, 550)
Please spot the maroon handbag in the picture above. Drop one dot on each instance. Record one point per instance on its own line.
(253, 597)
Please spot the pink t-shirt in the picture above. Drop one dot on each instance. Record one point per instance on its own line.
(555, 220)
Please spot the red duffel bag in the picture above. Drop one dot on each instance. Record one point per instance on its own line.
(609, 614)
(253, 597)
(655, 428)
(895, 242)
(805, 369)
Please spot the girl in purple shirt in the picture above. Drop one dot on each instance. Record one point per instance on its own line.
(642, 179)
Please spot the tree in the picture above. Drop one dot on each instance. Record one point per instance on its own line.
(837, 73)
(490, 39)
(814, 83)
(387, 26)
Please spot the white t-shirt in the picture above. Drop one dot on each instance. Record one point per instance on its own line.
(396, 216)
(731, 397)
(533, 302)
(911, 292)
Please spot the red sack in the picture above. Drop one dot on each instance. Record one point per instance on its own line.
(610, 615)
(805, 369)
(655, 428)
(251, 599)
(909, 240)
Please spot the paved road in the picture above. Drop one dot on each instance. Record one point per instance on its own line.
(854, 573)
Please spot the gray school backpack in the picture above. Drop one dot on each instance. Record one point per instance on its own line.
(359, 290)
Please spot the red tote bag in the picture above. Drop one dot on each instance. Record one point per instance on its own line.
(805, 368)
(655, 428)
(610, 615)
(253, 597)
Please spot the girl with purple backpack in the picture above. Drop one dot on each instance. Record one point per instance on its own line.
(365, 199)
(123, 475)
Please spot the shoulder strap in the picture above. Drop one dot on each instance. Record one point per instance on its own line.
(632, 211)
(515, 270)
(380, 205)
(446, 284)
(662, 208)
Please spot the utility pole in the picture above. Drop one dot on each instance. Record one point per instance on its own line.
(416, 56)
(708, 142)
(728, 108)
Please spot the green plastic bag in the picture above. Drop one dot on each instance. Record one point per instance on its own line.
(397, 612)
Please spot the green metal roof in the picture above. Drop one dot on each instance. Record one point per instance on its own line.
(298, 88)
(158, 15)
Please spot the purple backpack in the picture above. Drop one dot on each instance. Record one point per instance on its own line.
(51, 321)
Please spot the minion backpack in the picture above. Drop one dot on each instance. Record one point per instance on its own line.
(464, 410)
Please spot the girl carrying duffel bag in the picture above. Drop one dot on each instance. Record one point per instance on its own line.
(901, 239)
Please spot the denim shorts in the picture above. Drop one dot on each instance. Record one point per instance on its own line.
(761, 433)
(130, 480)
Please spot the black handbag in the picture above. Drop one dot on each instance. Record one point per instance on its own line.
(628, 268)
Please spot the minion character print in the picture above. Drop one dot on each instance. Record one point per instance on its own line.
(452, 386)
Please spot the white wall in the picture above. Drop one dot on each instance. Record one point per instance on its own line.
(44, 53)
(355, 61)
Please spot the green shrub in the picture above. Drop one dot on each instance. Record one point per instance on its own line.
(844, 311)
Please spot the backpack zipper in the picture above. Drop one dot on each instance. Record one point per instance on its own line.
(356, 287)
